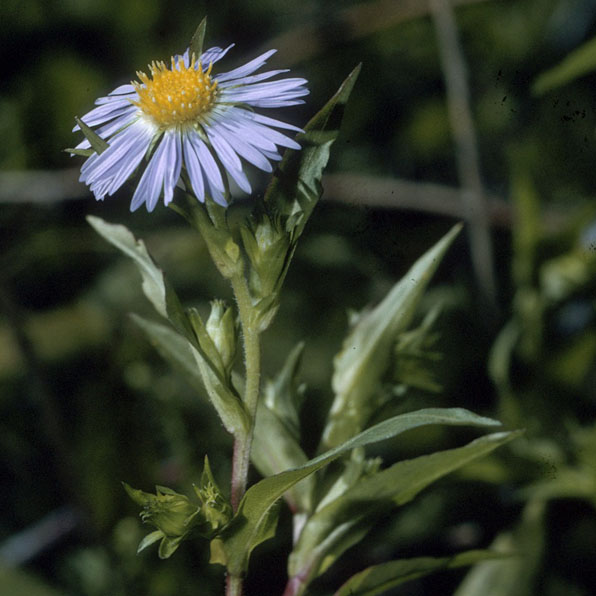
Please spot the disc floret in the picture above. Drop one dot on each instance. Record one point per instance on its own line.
(175, 97)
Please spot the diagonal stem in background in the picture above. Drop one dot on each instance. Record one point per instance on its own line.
(466, 148)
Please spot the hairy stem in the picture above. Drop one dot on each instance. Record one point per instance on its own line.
(252, 359)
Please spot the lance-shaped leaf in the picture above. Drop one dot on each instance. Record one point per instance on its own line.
(164, 299)
(183, 355)
(276, 439)
(274, 450)
(155, 286)
(173, 348)
(97, 143)
(255, 519)
(284, 394)
(366, 351)
(296, 185)
(576, 64)
(379, 578)
(196, 43)
(345, 521)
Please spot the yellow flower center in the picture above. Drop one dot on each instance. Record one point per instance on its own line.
(176, 96)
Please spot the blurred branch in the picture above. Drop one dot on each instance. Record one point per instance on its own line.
(311, 39)
(393, 193)
(41, 186)
(467, 155)
(23, 546)
(343, 187)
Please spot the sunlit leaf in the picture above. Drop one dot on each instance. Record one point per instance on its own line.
(185, 357)
(296, 185)
(252, 523)
(342, 523)
(366, 352)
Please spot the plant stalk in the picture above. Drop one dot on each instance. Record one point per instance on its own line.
(252, 359)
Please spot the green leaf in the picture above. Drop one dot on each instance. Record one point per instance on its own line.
(164, 299)
(98, 144)
(252, 523)
(577, 64)
(366, 352)
(274, 450)
(276, 444)
(284, 395)
(173, 348)
(83, 152)
(19, 581)
(379, 578)
(345, 521)
(296, 185)
(150, 539)
(155, 286)
(196, 43)
(198, 370)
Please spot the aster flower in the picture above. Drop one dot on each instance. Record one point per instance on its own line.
(182, 115)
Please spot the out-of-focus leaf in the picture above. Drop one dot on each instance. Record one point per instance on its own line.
(252, 523)
(526, 231)
(577, 64)
(570, 483)
(366, 352)
(516, 576)
(296, 185)
(15, 581)
(379, 578)
(343, 523)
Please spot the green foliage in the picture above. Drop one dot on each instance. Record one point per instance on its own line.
(196, 43)
(577, 64)
(365, 355)
(255, 520)
(189, 326)
(343, 522)
(296, 185)
(16, 581)
(379, 578)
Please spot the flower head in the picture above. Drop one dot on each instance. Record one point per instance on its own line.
(182, 115)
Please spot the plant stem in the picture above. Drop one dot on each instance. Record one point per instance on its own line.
(233, 586)
(252, 359)
(243, 441)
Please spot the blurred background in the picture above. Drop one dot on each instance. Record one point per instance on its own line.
(480, 111)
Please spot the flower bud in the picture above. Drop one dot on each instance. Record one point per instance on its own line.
(221, 328)
(171, 513)
(267, 245)
(215, 509)
(167, 510)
